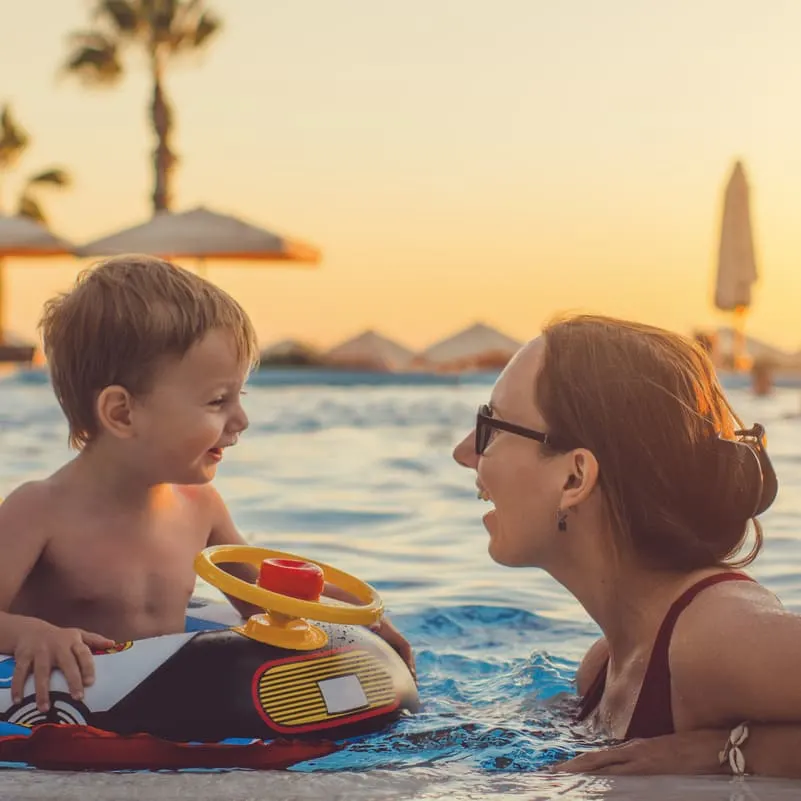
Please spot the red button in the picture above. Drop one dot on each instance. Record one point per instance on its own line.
(292, 577)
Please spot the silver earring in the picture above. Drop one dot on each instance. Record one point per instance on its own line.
(561, 520)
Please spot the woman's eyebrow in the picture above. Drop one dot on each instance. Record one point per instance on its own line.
(494, 411)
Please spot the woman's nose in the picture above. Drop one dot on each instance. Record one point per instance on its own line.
(465, 452)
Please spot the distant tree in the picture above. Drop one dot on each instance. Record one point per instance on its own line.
(162, 30)
(14, 141)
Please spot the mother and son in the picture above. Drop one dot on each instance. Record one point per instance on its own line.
(607, 449)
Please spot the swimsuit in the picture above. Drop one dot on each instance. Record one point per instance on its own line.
(653, 714)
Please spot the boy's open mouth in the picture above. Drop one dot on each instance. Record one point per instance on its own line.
(216, 453)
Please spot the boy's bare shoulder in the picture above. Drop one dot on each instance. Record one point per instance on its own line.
(28, 518)
(214, 517)
(203, 497)
(29, 502)
(37, 504)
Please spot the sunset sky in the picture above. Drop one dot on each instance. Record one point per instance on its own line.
(455, 160)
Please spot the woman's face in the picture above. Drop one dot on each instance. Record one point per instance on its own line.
(524, 486)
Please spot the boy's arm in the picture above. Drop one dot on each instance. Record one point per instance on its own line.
(22, 541)
(224, 532)
(38, 647)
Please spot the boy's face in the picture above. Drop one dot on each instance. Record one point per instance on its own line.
(192, 412)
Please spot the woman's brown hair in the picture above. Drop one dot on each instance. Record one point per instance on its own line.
(647, 403)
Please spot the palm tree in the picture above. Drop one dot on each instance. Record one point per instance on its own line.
(14, 142)
(163, 29)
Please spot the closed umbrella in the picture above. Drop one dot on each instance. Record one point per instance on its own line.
(737, 271)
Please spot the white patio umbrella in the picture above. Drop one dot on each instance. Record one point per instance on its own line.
(202, 234)
(737, 271)
(21, 237)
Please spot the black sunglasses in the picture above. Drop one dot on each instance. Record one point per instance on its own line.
(485, 423)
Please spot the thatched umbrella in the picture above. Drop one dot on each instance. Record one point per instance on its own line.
(202, 234)
(370, 351)
(477, 347)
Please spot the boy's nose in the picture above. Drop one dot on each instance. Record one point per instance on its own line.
(465, 452)
(239, 422)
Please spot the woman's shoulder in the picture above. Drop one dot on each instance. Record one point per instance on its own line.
(727, 603)
(591, 665)
(725, 644)
(721, 613)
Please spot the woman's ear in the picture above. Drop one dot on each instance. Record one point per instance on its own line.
(114, 411)
(582, 479)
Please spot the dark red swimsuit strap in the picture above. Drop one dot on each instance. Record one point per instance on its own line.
(653, 714)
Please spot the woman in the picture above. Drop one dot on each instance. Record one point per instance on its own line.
(615, 463)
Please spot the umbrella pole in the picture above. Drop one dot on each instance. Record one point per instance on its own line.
(740, 357)
(2, 301)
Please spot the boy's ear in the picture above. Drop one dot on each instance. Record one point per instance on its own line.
(114, 411)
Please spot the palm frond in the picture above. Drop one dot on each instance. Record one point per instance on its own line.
(13, 138)
(207, 26)
(95, 58)
(123, 16)
(55, 176)
(162, 15)
(193, 26)
(28, 207)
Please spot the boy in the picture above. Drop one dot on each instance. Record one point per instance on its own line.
(148, 362)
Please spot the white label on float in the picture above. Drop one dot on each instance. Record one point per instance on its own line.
(342, 694)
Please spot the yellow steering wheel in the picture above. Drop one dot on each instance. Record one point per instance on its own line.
(283, 623)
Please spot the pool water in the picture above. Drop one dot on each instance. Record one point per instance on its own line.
(356, 471)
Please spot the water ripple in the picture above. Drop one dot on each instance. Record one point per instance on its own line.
(361, 476)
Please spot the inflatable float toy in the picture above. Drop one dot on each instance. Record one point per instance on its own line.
(225, 684)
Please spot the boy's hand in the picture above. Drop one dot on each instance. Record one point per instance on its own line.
(383, 628)
(43, 648)
(393, 637)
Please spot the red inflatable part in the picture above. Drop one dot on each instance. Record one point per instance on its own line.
(292, 577)
(54, 746)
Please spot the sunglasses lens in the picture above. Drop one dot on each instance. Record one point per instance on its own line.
(483, 431)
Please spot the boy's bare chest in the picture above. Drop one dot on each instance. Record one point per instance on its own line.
(127, 564)
(122, 581)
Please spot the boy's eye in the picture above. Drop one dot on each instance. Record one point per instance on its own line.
(223, 399)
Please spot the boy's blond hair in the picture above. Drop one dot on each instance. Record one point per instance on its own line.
(122, 316)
